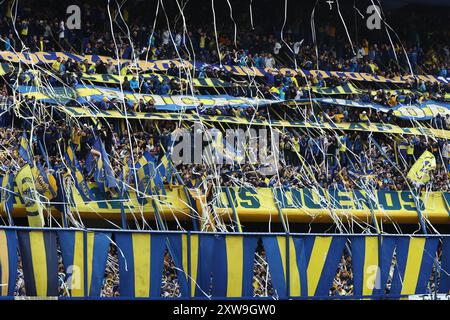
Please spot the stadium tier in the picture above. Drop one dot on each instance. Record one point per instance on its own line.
(170, 156)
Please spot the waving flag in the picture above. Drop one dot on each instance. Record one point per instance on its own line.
(28, 192)
(103, 174)
(80, 182)
(419, 172)
(7, 193)
(24, 149)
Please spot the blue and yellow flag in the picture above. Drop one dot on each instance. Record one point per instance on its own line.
(419, 172)
(24, 149)
(145, 174)
(222, 265)
(39, 262)
(51, 186)
(142, 263)
(8, 262)
(103, 174)
(7, 193)
(29, 194)
(80, 183)
(166, 168)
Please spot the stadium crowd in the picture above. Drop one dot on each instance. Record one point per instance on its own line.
(45, 32)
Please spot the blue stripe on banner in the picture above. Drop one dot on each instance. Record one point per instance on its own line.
(402, 246)
(205, 264)
(429, 256)
(8, 262)
(175, 247)
(11, 237)
(386, 253)
(444, 286)
(302, 264)
(331, 265)
(27, 264)
(52, 263)
(275, 263)
(98, 263)
(358, 257)
(250, 244)
(67, 245)
(126, 263)
(158, 246)
(219, 263)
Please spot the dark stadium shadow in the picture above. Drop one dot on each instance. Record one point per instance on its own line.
(64, 281)
(111, 279)
(262, 279)
(19, 289)
(391, 273)
(170, 287)
(343, 279)
(435, 276)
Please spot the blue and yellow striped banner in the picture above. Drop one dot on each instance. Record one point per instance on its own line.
(222, 265)
(72, 251)
(415, 258)
(142, 263)
(8, 262)
(322, 256)
(365, 264)
(313, 262)
(177, 245)
(275, 248)
(39, 262)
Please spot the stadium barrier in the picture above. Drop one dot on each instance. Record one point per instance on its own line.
(220, 265)
(260, 205)
(39, 58)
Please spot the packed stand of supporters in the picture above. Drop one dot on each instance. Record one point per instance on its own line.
(427, 53)
(424, 46)
(343, 160)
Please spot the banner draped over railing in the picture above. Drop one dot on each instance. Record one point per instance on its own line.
(359, 126)
(163, 65)
(220, 265)
(86, 94)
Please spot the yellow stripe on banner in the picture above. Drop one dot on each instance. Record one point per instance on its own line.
(282, 247)
(316, 262)
(194, 262)
(39, 260)
(141, 256)
(184, 250)
(90, 253)
(294, 285)
(370, 265)
(4, 262)
(235, 265)
(78, 265)
(413, 263)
